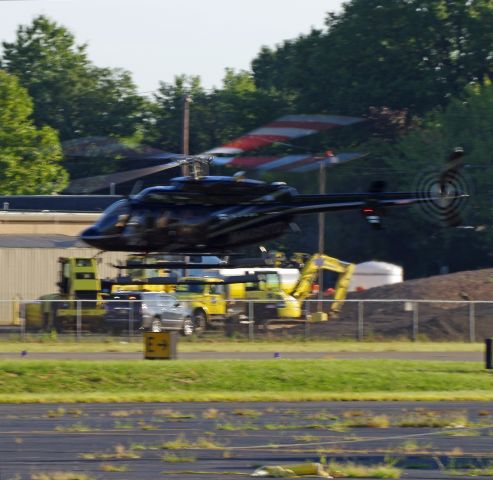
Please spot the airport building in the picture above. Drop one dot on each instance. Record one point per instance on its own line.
(30, 246)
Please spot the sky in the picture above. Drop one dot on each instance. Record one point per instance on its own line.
(158, 39)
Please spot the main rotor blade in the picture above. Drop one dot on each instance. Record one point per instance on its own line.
(283, 129)
(294, 163)
(98, 182)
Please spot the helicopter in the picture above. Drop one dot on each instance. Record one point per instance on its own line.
(215, 215)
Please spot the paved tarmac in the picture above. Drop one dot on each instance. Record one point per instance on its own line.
(438, 356)
(229, 440)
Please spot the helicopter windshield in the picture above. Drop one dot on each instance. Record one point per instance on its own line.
(114, 218)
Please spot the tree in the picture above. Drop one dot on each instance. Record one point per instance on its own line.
(416, 161)
(68, 91)
(29, 156)
(401, 54)
(416, 237)
(241, 106)
(167, 112)
(216, 116)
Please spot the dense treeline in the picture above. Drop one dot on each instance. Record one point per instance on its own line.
(419, 70)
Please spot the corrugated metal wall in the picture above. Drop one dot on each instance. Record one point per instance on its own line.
(28, 273)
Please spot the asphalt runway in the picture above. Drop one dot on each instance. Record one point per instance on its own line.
(229, 440)
(438, 356)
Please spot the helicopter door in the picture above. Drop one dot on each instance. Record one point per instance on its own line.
(137, 226)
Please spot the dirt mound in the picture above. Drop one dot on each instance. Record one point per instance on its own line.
(433, 321)
(468, 285)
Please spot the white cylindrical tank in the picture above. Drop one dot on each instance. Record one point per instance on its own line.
(374, 274)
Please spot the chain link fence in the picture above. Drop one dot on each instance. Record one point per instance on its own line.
(362, 320)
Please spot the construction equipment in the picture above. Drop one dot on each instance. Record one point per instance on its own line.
(262, 294)
(268, 294)
(78, 300)
(216, 299)
(298, 276)
(308, 275)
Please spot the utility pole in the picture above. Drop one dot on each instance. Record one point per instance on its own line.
(186, 132)
(321, 216)
(187, 100)
(321, 232)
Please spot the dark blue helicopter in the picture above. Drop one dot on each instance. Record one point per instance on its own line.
(203, 214)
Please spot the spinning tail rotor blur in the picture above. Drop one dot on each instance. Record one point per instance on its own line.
(444, 193)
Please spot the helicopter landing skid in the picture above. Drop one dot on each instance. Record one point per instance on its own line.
(224, 263)
(225, 260)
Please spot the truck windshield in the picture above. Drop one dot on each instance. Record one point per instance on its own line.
(190, 288)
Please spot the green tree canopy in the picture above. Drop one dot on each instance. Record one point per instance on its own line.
(413, 54)
(68, 91)
(167, 111)
(413, 236)
(216, 116)
(29, 155)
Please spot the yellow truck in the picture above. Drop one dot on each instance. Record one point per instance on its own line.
(276, 294)
(214, 299)
(297, 277)
(79, 299)
(263, 294)
(81, 292)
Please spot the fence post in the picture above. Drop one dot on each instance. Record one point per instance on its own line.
(415, 321)
(307, 329)
(489, 353)
(361, 309)
(250, 321)
(307, 316)
(472, 322)
(23, 323)
(79, 321)
(131, 321)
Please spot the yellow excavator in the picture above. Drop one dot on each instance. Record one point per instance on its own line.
(280, 291)
(308, 274)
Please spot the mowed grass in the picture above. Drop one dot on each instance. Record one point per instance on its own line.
(224, 345)
(242, 380)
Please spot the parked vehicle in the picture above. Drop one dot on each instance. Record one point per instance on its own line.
(79, 295)
(151, 311)
(267, 295)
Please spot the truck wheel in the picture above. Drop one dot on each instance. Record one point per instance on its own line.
(200, 319)
(188, 327)
(156, 325)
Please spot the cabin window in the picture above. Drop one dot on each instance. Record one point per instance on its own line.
(216, 289)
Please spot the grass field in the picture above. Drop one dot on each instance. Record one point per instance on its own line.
(222, 345)
(214, 380)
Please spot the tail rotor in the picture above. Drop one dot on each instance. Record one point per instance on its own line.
(443, 194)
